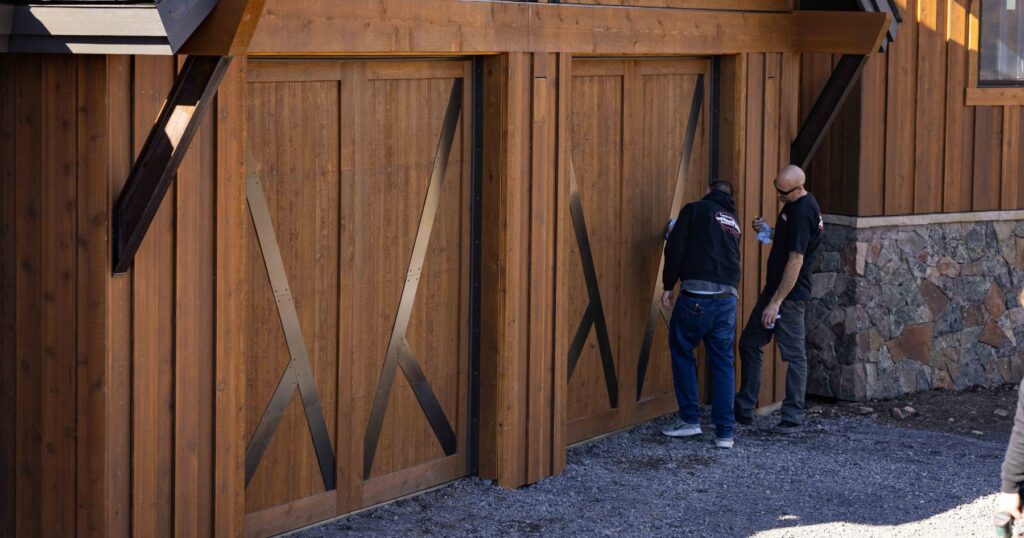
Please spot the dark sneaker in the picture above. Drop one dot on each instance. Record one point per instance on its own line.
(744, 420)
(786, 428)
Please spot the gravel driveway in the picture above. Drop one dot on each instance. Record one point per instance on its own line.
(844, 476)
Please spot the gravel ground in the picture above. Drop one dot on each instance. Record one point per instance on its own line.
(844, 476)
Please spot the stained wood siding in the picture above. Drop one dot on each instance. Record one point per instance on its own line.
(766, 87)
(906, 142)
(111, 379)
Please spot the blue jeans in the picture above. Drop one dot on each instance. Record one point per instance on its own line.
(714, 322)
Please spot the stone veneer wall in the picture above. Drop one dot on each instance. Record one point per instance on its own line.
(903, 308)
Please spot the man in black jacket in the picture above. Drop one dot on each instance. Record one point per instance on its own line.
(703, 252)
(780, 307)
(1013, 463)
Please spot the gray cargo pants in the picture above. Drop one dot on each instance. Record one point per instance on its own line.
(789, 334)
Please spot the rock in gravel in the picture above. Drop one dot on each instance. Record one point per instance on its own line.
(865, 410)
(976, 432)
(909, 411)
(1001, 413)
(898, 413)
(816, 410)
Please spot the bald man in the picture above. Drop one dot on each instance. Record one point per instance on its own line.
(780, 307)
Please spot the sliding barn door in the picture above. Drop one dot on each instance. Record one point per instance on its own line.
(359, 190)
(637, 151)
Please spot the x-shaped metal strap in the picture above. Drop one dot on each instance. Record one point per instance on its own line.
(298, 374)
(593, 316)
(399, 354)
(677, 202)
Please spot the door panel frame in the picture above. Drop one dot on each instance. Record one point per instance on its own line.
(628, 412)
(353, 492)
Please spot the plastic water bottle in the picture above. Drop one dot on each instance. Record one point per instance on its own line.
(772, 326)
(765, 235)
(668, 227)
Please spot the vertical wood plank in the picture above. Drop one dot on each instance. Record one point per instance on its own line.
(231, 257)
(515, 199)
(752, 204)
(732, 155)
(92, 282)
(930, 137)
(900, 117)
(194, 339)
(153, 331)
(8, 296)
(1011, 173)
(119, 155)
(28, 170)
(988, 149)
(542, 267)
(560, 381)
(58, 230)
(789, 99)
(958, 162)
(873, 138)
(769, 204)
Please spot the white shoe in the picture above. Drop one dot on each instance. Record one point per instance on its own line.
(682, 429)
(725, 443)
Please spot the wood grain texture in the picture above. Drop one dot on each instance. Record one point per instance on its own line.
(8, 297)
(625, 127)
(929, 138)
(445, 26)
(153, 333)
(118, 460)
(28, 170)
(92, 287)
(231, 304)
(194, 335)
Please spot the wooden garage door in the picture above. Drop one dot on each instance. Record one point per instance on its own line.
(628, 128)
(359, 188)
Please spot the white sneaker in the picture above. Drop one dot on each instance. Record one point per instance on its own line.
(724, 443)
(682, 429)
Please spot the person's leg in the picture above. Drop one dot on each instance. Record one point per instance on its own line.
(685, 332)
(719, 345)
(789, 333)
(753, 338)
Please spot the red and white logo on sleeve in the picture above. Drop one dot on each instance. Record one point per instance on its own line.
(728, 223)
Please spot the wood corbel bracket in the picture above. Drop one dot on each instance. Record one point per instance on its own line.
(165, 146)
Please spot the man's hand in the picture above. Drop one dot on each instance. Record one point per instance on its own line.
(757, 224)
(1009, 503)
(771, 310)
(666, 299)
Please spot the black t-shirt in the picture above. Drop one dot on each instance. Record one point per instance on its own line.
(798, 229)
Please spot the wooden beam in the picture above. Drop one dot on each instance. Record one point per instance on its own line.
(840, 32)
(826, 108)
(313, 27)
(228, 29)
(164, 148)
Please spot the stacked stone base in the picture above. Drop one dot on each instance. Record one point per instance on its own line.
(904, 308)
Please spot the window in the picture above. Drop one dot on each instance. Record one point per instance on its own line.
(1001, 43)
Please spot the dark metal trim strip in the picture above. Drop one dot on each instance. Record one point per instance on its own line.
(298, 374)
(594, 315)
(677, 202)
(395, 355)
(475, 233)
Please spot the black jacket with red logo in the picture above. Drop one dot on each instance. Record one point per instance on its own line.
(704, 243)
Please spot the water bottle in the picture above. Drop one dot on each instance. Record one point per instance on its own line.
(668, 227)
(765, 235)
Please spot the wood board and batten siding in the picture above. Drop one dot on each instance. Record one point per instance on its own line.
(344, 151)
(112, 396)
(908, 141)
